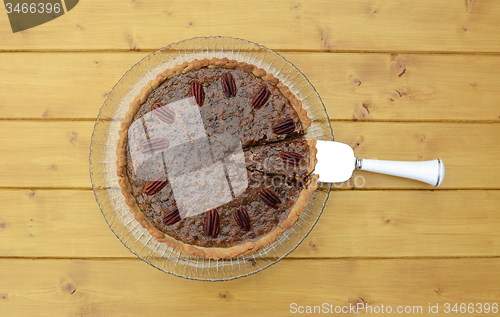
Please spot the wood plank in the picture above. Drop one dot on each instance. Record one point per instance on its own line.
(33, 222)
(66, 85)
(406, 224)
(467, 151)
(132, 288)
(352, 86)
(353, 224)
(55, 153)
(405, 87)
(426, 25)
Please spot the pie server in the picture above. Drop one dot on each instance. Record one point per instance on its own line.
(336, 162)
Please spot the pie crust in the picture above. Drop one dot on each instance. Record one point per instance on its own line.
(214, 252)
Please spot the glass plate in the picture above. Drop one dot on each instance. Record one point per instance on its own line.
(103, 159)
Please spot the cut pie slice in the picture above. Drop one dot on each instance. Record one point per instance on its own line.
(295, 159)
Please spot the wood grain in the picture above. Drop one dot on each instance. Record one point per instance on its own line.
(427, 25)
(354, 224)
(67, 85)
(467, 151)
(53, 154)
(401, 80)
(406, 224)
(374, 87)
(132, 288)
(33, 222)
(56, 154)
(414, 87)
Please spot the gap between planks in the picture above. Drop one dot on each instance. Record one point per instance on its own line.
(334, 189)
(151, 50)
(361, 258)
(36, 119)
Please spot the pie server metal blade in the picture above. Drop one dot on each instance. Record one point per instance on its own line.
(336, 162)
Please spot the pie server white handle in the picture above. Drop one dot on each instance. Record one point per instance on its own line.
(336, 162)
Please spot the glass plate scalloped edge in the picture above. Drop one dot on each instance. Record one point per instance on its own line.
(103, 159)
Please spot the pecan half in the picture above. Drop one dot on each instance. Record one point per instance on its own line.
(290, 158)
(270, 198)
(242, 219)
(228, 85)
(164, 113)
(211, 226)
(155, 185)
(152, 145)
(198, 92)
(285, 126)
(260, 97)
(172, 216)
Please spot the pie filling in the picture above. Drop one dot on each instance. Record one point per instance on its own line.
(263, 217)
(235, 115)
(216, 157)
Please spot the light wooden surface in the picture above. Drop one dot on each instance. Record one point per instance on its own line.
(59, 152)
(357, 223)
(401, 80)
(433, 87)
(364, 25)
(125, 288)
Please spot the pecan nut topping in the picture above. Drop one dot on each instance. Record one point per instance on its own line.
(260, 97)
(290, 158)
(164, 113)
(151, 145)
(228, 85)
(270, 198)
(172, 216)
(211, 226)
(198, 92)
(242, 219)
(155, 185)
(285, 126)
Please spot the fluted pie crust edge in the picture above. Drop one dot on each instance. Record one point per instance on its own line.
(214, 253)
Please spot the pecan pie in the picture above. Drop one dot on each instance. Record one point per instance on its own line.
(212, 158)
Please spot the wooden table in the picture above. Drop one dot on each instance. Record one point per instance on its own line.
(401, 80)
